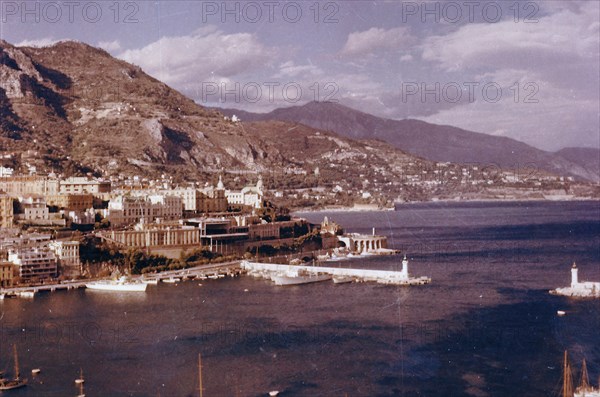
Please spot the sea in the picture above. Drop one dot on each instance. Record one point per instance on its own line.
(485, 326)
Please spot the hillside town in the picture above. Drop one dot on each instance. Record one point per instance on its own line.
(47, 220)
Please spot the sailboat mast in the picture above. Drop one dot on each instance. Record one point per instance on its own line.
(567, 380)
(200, 373)
(585, 382)
(17, 375)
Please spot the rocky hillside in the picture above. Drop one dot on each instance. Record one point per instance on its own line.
(79, 109)
(430, 141)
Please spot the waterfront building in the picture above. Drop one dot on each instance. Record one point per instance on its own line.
(67, 253)
(33, 263)
(6, 274)
(154, 236)
(364, 243)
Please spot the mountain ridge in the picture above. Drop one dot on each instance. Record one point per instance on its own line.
(434, 142)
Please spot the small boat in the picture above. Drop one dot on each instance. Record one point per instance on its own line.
(81, 393)
(342, 279)
(561, 312)
(151, 281)
(80, 380)
(171, 280)
(213, 276)
(274, 393)
(36, 371)
(26, 294)
(16, 382)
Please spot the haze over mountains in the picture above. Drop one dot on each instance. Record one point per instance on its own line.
(435, 142)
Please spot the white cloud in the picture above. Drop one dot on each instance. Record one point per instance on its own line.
(374, 39)
(559, 37)
(207, 54)
(290, 69)
(406, 58)
(110, 45)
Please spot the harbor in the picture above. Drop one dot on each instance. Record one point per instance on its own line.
(306, 274)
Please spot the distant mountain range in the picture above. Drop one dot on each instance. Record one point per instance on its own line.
(440, 143)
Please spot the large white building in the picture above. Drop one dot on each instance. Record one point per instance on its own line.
(127, 210)
(34, 263)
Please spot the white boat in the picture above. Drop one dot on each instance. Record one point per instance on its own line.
(26, 294)
(274, 393)
(171, 280)
(296, 278)
(120, 285)
(36, 371)
(342, 279)
(151, 281)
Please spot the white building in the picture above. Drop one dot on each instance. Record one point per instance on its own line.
(67, 253)
(126, 210)
(251, 196)
(34, 263)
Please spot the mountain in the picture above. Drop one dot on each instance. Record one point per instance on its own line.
(73, 108)
(434, 142)
(587, 158)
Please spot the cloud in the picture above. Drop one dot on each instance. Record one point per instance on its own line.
(207, 54)
(290, 69)
(560, 37)
(110, 45)
(374, 39)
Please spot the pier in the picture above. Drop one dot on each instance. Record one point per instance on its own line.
(359, 275)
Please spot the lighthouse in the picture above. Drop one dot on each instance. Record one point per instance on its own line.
(574, 280)
(404, 271)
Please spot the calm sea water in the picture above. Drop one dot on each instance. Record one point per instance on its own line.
(486, 326)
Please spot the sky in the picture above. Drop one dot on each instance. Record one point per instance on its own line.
(521, 69)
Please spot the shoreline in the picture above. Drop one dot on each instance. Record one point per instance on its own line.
(443, 201)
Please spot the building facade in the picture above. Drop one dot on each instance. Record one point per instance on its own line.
(34, 263)
(67, 253)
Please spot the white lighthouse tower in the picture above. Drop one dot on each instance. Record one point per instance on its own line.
(574, 280)
(404, 271)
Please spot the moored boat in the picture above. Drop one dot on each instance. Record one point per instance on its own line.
(16, 382)
(296, 278)
(120, 285)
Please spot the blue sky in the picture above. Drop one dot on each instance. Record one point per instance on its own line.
(526, 70)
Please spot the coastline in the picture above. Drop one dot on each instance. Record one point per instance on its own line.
(443, 201)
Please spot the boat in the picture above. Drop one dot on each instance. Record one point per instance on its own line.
(16, 382)
(171, 280)
(274, 393)
(26, 294)
(80, 380)
(81, 392)
(36, 371)
(120, 285)
(293, 277)
(342, 279)
(584, 389)
(150, 281)
(561, 312)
